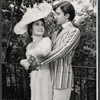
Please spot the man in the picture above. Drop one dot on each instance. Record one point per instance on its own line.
(63, 48)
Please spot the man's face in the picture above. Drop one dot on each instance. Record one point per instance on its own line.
(61, 18)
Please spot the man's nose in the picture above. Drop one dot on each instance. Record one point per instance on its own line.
(55, 16)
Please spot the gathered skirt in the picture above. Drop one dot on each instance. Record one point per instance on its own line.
(41, 86)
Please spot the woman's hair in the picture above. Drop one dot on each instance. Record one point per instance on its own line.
(66, 7)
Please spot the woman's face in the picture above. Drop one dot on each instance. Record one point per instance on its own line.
(38, 28)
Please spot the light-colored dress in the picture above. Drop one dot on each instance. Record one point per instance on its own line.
(40, 81)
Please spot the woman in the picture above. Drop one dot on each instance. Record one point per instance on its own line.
(41, 87)
(39, 46)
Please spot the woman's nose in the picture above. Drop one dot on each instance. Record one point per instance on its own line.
(40, 26)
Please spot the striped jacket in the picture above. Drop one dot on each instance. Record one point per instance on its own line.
(64, 46)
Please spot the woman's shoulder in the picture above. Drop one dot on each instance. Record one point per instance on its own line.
(46, 39)
(29, 45)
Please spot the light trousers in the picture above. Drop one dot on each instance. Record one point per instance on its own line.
(62, 94)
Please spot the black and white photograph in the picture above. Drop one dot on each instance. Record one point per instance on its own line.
(49, 49)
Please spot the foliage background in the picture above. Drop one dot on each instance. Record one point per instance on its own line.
(85, 20)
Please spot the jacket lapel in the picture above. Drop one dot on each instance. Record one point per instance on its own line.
(66, 30)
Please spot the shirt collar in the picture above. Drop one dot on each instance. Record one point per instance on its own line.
(67, 24)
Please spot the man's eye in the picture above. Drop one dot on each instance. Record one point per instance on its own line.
(57, 14)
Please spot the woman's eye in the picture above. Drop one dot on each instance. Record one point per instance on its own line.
(42, 24)
(37, 24)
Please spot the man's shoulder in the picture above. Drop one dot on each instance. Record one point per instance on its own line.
(71, 31)
(74, 29)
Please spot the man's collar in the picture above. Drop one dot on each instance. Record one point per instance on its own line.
(67, 24)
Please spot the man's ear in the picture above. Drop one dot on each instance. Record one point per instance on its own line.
(67, 15)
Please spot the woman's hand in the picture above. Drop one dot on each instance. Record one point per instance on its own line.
(25, 63)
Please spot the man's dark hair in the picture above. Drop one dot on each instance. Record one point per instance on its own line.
(66, 7)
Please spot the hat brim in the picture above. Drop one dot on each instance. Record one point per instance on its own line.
(31, 16)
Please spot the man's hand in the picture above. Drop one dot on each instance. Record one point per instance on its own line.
(32, 62)
(30, 59)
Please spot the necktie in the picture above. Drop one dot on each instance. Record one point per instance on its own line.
(55, 37)
(60, 29)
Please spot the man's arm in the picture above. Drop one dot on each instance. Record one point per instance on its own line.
(63, 50)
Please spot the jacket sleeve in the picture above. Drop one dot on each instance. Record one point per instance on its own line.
(70, 42)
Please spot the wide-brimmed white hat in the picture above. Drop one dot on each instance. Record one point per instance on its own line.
(34, 14)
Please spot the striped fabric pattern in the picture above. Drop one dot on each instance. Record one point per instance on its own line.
(64, 46)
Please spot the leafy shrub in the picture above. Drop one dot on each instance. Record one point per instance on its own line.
(85, 54)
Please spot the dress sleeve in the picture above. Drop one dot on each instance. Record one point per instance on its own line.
(27, 49)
